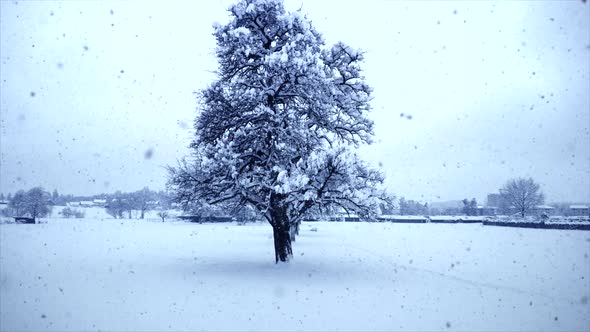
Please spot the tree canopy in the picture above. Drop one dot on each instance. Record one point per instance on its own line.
(33, 203)
(522, 195)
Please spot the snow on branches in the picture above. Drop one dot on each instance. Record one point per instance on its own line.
(273, 131)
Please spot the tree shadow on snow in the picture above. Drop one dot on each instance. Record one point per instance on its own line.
(242, 268)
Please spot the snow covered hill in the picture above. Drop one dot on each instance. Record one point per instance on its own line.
(93, 274)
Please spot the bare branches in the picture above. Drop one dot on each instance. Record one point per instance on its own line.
(522, 194)
(273, 129)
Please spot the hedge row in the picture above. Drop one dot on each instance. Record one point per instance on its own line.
(540, 225)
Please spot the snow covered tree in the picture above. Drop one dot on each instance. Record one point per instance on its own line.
(36, 202)
(141, 200)
(274, 131)
(469, 207)
(69, 212)
(17, 203)
(411, 207)
(165, 200)
(388, 205)
(522, 194)
(117, 205)
(403, 206)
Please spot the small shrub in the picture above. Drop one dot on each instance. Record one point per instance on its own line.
(69, 213)
(66, 212)
(163, 214)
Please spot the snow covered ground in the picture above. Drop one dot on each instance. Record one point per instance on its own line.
(93, 274)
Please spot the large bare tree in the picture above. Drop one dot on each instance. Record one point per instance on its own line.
(274, 130)
(142, 200)
(34, 203)
(522, 194)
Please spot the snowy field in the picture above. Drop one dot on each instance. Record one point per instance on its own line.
(94, 274)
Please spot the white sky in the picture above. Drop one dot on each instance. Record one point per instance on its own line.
(495, 90)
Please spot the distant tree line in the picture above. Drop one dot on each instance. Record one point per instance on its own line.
(122, 204)
(200, 210)
(37, 202)
(518, 196)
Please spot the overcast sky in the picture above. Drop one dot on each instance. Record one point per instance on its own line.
(98, 96)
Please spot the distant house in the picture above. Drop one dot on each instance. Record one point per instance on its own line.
(343, 216)
(99, 202)
(579, 210)
(544, 209)
(403, 219)
(486, 210)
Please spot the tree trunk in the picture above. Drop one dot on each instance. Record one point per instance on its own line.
(142, 213)
(280, 228)
(282, 241)
(292, 232)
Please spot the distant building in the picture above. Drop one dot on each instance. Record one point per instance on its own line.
(579, 210)
(486, 210)
(403, 219)
(494, 200)
(544, 209)
(99, 202)
(343, 216)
